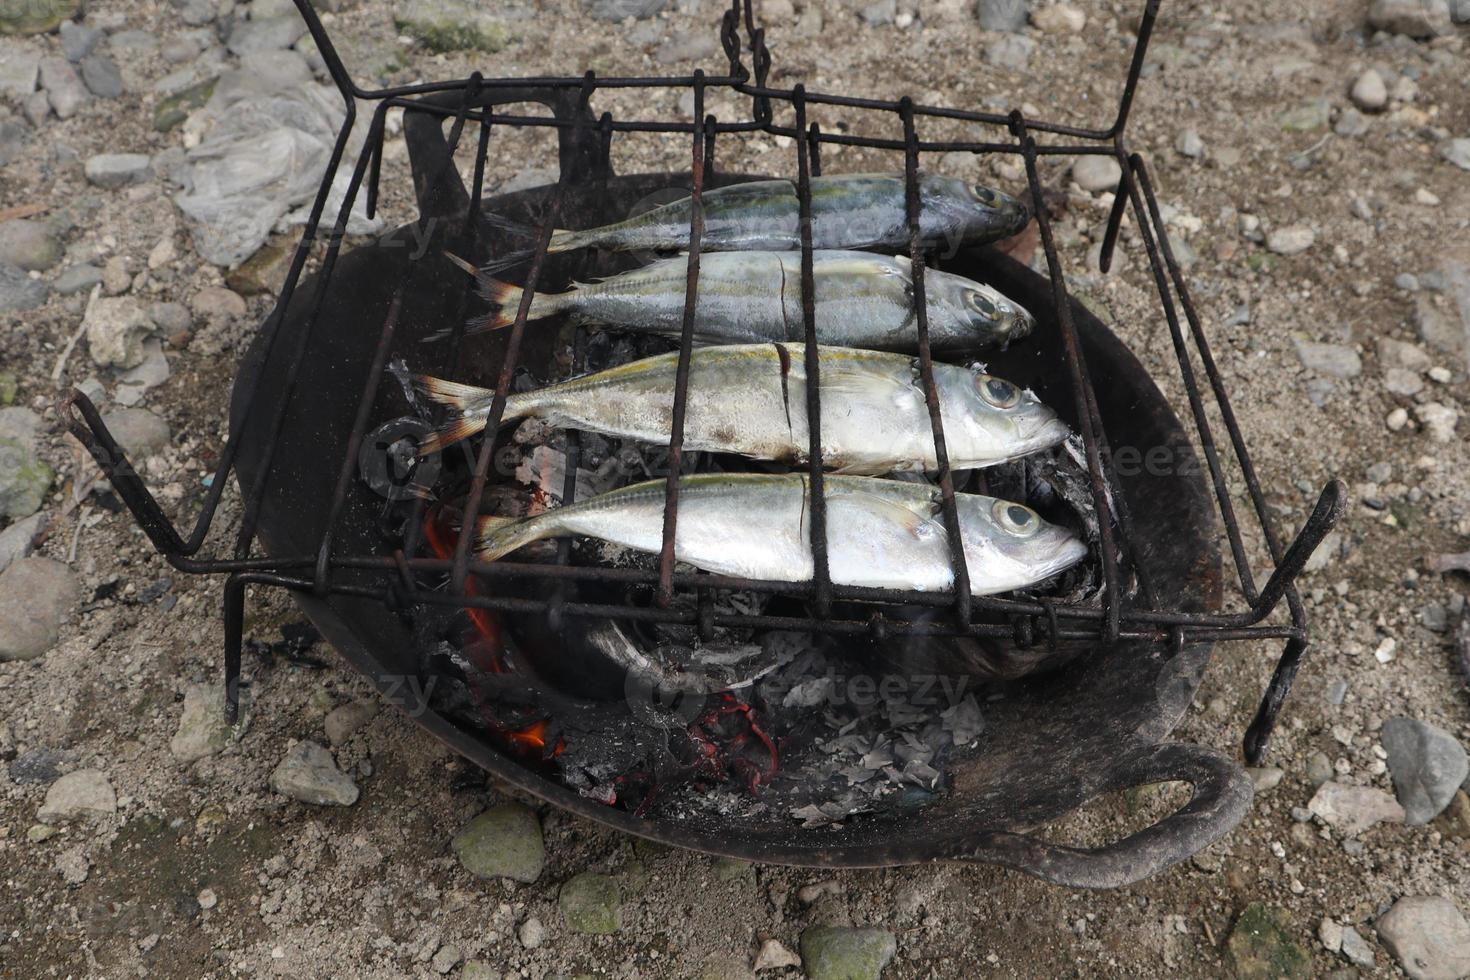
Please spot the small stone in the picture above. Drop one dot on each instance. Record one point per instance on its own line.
(267, 34)
(207, 899)
(38, 833)
(341, 722)
(1439, 419)
(24, 476)
(138, 432)
(1437, 329)
(78, 40)
(503, 842)
(1334, 360)
(1307, 117)
(1001, 15)
(1396, 419)
(1440, 375)
(1427, 765)
(1353, 809)
(1457, 151)
(775, 956)
(1012, 52)
(1095, 173)
(216, 301)
(1369, 91)
(1059, 18)
(113, 170)
(308, 773)
(117, 276)
(446, 958)
(35, 596)
(1265, 778)
(36, 16)
(101, 76)
(77, 279)
(1189, 144)
(1455, 820)
(1356, 949)
(531, 933)
(1406, 281)
(1399, 381)
(173, 110)
(18, 291)
(116, 327)
(843, 953)
(265, 271)
(73, 865)
(202, 729)
(616, 10)
(20, 69)
(170, 319)
(31, 245)
(83, 794)
(1291, 240)
(1337, 692)
(479, 970)
(1414, 18)
(880, 13)
(1428, 936)
(451, 25)
(1329, 933)
(17, 540)
(591, 904)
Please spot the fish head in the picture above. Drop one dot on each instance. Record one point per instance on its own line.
(1002, 414)
(1017, 547)
(972, 211)
(984, 313)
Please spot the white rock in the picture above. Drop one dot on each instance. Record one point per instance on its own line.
(1330, 933)
(775, 956)
(1291, 240)
(1369, 91)
(1353, 809)
(1429, 937)
(113, 170)
(84, 793)
(1097, 173)
(309, 773)
(116, 326)
(1189, 144)
(1439, 419)
(531, 933)
(1059, 18)
(202, 730)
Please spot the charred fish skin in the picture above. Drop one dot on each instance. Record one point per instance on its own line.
(848, 211)
(750, 399)
(880, 533)
(860, 300)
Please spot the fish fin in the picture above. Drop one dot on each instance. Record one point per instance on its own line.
(857, 378)
(455, 394)
(462, 423)
(917, 524)
(497, 537)
(563, 240)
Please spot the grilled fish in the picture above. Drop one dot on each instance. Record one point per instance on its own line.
(848, 211)
(860, 300)
(880, 533)
(751, 399)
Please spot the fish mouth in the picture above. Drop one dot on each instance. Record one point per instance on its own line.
(1020, 325)
(1069, 551)
(1043, 433)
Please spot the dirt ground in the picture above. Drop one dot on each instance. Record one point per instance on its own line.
(373, 889)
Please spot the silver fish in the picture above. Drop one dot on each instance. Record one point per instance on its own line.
(860, 300)
(848, 211)
(751, 399)
(880, 533)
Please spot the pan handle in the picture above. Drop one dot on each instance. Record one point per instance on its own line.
(1222, 795)
(436, 181)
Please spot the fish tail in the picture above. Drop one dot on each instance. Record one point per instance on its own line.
(466, 411)
(497, 537)
(563, 240)
(505, 298)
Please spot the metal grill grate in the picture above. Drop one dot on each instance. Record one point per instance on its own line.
(400, 579)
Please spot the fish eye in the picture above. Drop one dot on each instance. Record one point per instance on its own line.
(981, 304)
(997, 391)
(1018, 519)
(982, 194)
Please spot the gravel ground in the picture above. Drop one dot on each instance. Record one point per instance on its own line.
(1312, 179)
